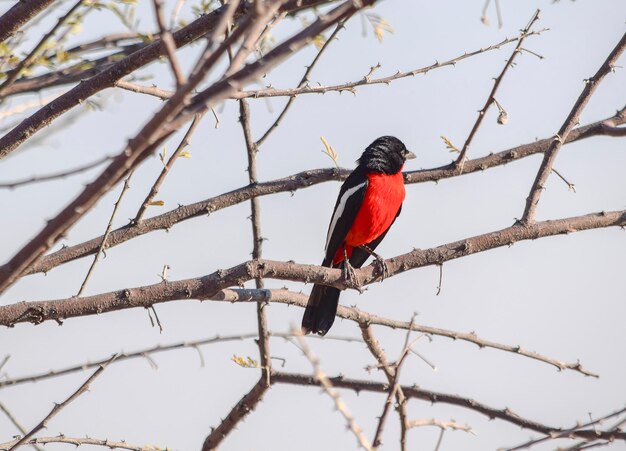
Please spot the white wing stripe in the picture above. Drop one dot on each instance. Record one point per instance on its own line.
(339, 211)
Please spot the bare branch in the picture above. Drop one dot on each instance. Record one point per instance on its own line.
(481, 114)
(161, 178)
(147, 352)
(19, 14)
(170, 45)
(107, 231)
(303, 82)
(16, 423)
(80, 441)
(322, 379)
(28, 60)
(94, 81)
(58, 407)
(257, 239)
(297, 181)
(245, 405)
(573, 118)
(437, 397)
(210, 285)
(55, 176)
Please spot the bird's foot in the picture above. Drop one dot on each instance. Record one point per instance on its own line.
(350, 276)
(379, 262)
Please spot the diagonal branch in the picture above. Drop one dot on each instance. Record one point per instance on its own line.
(491, 99)
(58, 407)
(166, 169)
(322, 379)
(573, 118)
(19, 14)
(28, 60)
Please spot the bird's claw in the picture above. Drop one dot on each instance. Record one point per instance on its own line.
(350, 276)
(383, 269)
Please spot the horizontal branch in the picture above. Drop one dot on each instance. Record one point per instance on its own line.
(79, 441)
(437, 397)
(213, 286)
(301, 180)
(208, 286)
(147, 352)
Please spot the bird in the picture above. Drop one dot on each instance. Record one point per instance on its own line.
(368, 203)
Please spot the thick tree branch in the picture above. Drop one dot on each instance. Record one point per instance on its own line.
(437, 397)
(573, 118)
(19, 14)
(208, 286)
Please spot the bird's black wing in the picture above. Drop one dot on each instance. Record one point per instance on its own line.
(359, 255)
(348, 203)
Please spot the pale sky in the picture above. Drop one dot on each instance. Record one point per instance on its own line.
(560, 296)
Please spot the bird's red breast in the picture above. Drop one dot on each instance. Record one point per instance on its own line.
(383, 198)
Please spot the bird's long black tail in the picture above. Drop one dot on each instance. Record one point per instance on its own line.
(320, 310)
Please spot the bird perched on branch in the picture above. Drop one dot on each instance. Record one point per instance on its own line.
(369, 201)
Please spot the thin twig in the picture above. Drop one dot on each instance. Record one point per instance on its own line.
(303, 82)
(166, 168)
(530, 209)
(147, 352)
(58, 407)
(102, 247)
(55, 176)
(570, 186)
(16, 423)
(326, 384)
(170, 45)
(481, 114)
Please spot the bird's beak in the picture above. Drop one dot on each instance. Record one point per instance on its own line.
(409, 155)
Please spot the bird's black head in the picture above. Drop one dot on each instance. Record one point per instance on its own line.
(387, 154)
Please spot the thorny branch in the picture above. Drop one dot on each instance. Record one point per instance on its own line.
(166, 169)
(58, 407)
(80, 441)
(301, 180)
(103, 244)
(415, 392)
(572, 120)
(322, 379)
(209, 285)
(491, 99)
